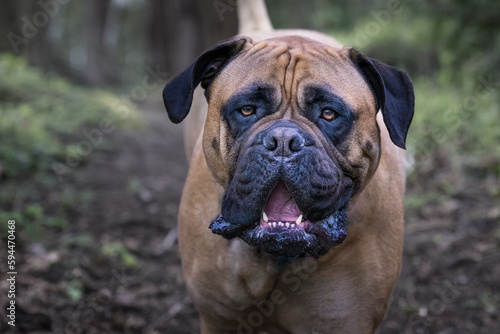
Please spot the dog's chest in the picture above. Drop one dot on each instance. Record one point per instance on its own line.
(244, 278)
(248, 270)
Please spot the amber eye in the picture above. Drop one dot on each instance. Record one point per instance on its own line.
(247, 110)
(328, 114)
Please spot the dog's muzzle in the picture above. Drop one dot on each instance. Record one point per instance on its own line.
(287, 195)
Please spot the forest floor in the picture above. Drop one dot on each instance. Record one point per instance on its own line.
(116, 267)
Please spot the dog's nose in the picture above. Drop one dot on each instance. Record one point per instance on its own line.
(284, 141)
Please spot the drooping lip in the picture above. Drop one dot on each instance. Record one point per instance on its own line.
(283, 229)
(302, 239)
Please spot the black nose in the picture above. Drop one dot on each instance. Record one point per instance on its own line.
(283, 141)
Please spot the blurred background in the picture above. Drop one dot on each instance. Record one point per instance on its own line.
(91, 169)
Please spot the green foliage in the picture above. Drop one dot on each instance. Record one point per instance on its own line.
(32, 219)
(460, 119)
(25, 145)
(40, 113)
(44, 119)
(119, 250)
(73, 201)
(467, 34)
(399, 42)
(74, 289)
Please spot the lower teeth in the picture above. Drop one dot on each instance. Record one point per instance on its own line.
(282, 224)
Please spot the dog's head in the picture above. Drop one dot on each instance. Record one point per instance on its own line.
(291, 135)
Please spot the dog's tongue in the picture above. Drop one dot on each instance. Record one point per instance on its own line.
(281, 206)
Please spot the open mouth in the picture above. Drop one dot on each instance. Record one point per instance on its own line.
(283, 230)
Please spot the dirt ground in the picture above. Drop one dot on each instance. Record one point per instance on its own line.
(116, 267)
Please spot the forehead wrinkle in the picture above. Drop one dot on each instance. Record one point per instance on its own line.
(266, 61)
(279, 51)
(265, 50)
(289, 52)
(298, 54)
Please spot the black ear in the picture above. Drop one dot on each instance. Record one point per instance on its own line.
(394, 93)
(178, 93)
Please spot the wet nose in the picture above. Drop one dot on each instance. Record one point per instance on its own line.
(284, 141)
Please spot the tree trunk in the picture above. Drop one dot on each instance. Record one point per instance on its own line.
(181, 30)
(101, 69)
(9, 24)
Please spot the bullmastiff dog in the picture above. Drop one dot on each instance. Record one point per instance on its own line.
(291, 219)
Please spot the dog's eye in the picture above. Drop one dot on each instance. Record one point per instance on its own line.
(328, 114)
(247, 110)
